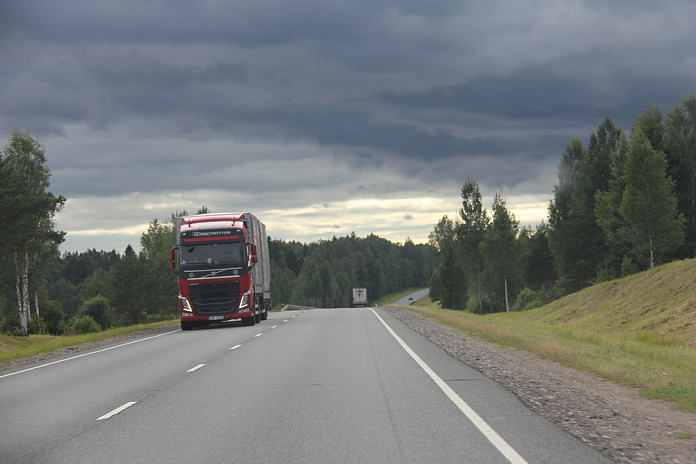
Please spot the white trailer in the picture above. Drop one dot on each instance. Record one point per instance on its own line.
(359, 297)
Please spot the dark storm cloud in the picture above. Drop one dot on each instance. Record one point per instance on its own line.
(547, 93)
(418, 86)
(248, 23)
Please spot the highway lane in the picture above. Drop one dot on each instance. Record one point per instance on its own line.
(314, 386)
(413, 297)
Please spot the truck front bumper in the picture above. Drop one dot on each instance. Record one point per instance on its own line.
(186, 316)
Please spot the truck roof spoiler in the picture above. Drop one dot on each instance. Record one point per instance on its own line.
(208, 217)
(213, 216)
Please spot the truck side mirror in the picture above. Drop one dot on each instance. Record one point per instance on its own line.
(172, 257)
(251, 251)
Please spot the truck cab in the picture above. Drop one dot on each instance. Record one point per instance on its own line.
(221, 275)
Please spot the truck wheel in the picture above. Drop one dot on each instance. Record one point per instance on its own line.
(257, 312)
(187, 325)
(249, 321)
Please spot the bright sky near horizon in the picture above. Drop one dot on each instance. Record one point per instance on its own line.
(321, 117)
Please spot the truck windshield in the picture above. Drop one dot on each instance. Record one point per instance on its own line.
(213, 255)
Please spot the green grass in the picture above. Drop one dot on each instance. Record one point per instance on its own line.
(639, 331)
(12, 348)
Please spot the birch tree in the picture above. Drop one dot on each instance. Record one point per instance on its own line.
(471, 231)
(27, 210)
(501, 274)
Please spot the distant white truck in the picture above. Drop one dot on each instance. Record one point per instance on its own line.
(359, 297)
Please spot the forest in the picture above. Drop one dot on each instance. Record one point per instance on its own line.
(623, 204)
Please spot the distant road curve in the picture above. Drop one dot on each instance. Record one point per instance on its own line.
(413, 297)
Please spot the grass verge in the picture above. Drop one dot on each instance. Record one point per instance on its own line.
(659, 366)
(12, 348)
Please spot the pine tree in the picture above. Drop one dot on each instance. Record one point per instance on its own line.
(453, 288)
(130, 286)
(649, 205)
(576, 239)
(560, 216)
(680, 148)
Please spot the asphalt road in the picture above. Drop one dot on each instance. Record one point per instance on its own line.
(326, 385)
(413, 297)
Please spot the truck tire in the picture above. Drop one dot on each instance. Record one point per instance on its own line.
(186, 325)
(257, 311)
(265, 305)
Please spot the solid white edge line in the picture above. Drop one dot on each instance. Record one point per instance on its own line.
(482, 425)
(195, 368)
(86, 354)
(117, 410)
(235, 347)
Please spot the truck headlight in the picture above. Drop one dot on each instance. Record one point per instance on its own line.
(245, 300)
(185, 306)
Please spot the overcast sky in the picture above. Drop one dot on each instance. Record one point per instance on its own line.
(324, 117)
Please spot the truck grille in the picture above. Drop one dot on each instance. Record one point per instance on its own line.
(215, 298)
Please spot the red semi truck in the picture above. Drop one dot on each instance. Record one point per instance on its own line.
(223, 267)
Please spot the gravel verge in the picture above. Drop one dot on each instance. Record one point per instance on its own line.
(609, 417)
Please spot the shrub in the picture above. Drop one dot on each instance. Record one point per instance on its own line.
(528, 299)
(36, 325)
(628, 268)
(99, 309)
(54, 317)
(10, 325)
(84, 324)
(436, 285)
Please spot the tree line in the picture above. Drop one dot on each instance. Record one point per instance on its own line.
(96, 290)
(622, 205)
(323, 273)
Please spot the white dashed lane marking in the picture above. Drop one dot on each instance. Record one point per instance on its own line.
(195, 368)
(117, 410)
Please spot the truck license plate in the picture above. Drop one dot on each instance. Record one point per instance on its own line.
(215, 318)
